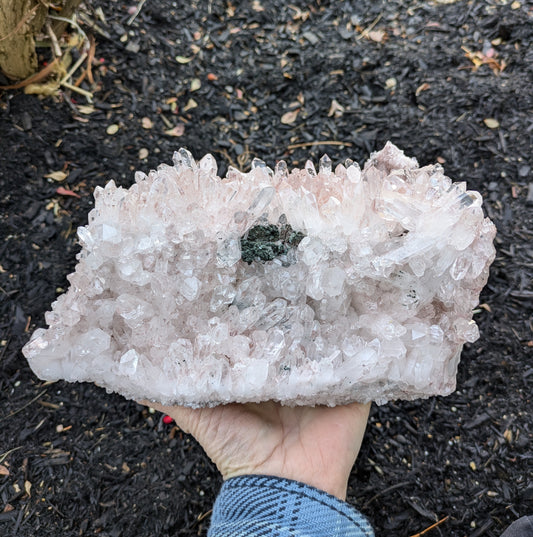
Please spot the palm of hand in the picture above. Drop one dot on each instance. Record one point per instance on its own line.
(317, 446)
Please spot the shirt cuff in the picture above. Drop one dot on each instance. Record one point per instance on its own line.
(268, 506)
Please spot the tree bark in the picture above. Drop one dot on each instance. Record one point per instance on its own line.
(19, 21)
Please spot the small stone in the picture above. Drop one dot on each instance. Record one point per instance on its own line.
(143, 153)
(112, 129)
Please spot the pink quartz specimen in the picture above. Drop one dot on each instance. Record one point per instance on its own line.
(372, 302)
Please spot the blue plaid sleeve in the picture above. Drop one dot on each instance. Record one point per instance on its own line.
(267, 506)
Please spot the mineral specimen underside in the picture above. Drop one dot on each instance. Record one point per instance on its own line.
(304, 287)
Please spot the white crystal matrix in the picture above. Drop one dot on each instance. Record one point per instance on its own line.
(374, 303)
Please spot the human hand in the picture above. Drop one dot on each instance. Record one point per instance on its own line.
(314, 445)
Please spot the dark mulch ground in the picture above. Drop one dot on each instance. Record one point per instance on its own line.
(75, 461)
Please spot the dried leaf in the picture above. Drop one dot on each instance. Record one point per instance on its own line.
(423, 87)
(3, 470)
(27, 487)
(336, 109)
(183, 59)
(290, 117)
(86, 109)
(377, 36)
(190, 105)
(64, 192)
(57, 176)
(195, 84)
(491, 123)
(178, 130)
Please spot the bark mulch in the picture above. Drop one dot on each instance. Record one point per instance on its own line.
(447, 81)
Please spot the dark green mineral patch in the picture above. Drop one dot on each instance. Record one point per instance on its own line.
(265, 243)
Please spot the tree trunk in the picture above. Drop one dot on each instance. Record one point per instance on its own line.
(20, 20)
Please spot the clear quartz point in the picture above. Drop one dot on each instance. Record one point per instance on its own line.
(258, 163)
(208, 164)
(282, 171)
(325, 165)
(183, 159)
(310, 168)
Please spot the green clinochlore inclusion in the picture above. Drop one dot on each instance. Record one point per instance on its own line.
(265, 243)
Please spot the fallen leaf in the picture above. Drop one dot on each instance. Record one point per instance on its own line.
(178, 130)
(57, 176)
(491, 123)
(190, 105)
(112, 129)
(212, 76)
(336, 109)
(64, 192)
(86, 109)
(8, 508)
(147, 123)
(3, 470)
(27, 487)
(390, 83)
(423, 87)
(378, 36)
(195, 84)
(290, 117)
(183, 59)
(516, 5)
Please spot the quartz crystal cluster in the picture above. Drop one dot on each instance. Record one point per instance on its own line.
(303, 287)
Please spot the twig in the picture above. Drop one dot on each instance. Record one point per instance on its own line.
(324, 142)
(137, 11)
(73, 23)
(23, 407)
(74, 68)
(432, 526)
(4, 456)
(384, 491)
(87, 94)
(53, 38)
(43, 73)
(367, 30)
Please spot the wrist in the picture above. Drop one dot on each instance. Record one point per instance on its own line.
(334, 485)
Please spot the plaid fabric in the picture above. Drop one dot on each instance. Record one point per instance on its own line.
(266, 506)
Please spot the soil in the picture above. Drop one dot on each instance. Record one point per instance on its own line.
(445, 80)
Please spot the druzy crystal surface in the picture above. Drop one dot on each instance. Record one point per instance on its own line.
(303, 287)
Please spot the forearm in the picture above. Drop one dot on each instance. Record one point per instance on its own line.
(253, 506)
